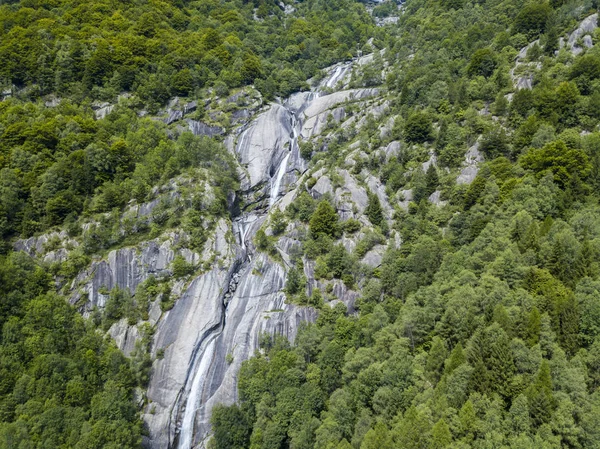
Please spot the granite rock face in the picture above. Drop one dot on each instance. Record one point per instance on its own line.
(471, 165)
(260, 147)
(221, 311)
(202, 129)
(125, 268)
(584, 31)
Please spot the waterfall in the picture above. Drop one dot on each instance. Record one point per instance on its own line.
(191, 409)
(331, 81)
(338, 74)
(276, 184)
(193, 401)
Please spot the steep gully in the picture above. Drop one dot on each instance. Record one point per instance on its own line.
(207, 381)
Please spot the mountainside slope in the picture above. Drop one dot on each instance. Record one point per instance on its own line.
(400, 250)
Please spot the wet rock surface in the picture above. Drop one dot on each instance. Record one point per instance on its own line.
(220, 312)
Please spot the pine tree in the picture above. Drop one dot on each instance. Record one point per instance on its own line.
(531, 240)
(540, 397)
(441, 436)
(324, 220)
(373, 210)
(569, 326)
(377, 438)
(295, 281)
(584, 264)
(468, 422)
(500, 364)
(435, 359)
(518, 415)
(457, 358)
(503, 319)
(534, 324)
(431, 179)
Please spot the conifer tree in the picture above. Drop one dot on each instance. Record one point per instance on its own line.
(534, 324)
(569, 325)
(431, 179)
(373, 210)
(457, 358)
(441, 436)
(540, 397)
(324, 220)
(435, 359)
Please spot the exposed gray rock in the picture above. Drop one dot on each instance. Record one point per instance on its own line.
(467, 174)
(124, 335)
(38, 246)
(59, 255)
(386, 128)
(344, 294)
(321, 104)
(431, 161)
(298, 101)
(260, 146)
(374, 257)
(585, 29)
(378, 189)
(103, 112)
(435, 198)
(190, 107)
(380, 22)
(125, 268)
(350, 191)
(470, 167)
(52, 102)
(524, 82)
(194, 317)
(202, 129)
(240, 115)
(173, 116)
(336, 75)
(287, 9)
(313, 126)
(257, 306)
(322, 187)
(523, 52)
(393, 149)
(407, 196)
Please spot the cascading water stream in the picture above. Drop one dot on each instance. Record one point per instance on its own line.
(193, 401)
(204, 355)
(276, 185)
(339, 73)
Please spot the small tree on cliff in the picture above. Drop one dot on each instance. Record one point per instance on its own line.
(324, 220)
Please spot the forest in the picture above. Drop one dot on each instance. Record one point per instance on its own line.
(481, 330)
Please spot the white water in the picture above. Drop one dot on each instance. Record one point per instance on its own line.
(338, 74)
(193, 401)
(331, 81)
(205, 356)
(243, 227)
(276, 185)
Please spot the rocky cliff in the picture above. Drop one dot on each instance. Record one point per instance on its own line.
(220, 312)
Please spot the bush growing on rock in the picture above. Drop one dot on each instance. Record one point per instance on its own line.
(324, 220)
(418, 128)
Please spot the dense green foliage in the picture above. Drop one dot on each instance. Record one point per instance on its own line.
(58, 163)
(481, 329)
(159, 49)
(62, 384)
